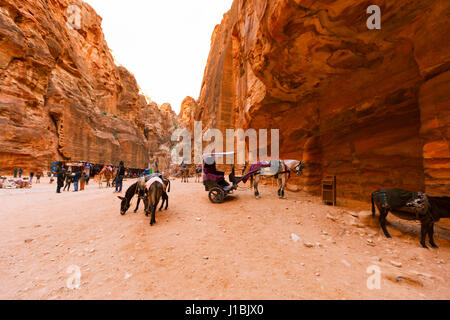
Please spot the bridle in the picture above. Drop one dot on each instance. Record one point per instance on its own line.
(298, 169)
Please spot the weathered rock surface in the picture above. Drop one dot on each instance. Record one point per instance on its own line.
(369, 106)
(63, 98)
(187, 113)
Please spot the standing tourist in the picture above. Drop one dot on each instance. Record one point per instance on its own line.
(31, 176)
(38, 177)
(76, 179)
(15, 173)
(119, 177)
(68, 181)
(83, 181)
(20, 173)
(60, 177)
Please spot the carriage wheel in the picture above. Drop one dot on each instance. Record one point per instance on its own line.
(216, 195)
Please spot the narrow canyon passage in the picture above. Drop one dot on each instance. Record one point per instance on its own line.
(241, 249)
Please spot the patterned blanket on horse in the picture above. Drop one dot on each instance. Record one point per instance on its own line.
(254, 167)
(152, 181)
(267, 168)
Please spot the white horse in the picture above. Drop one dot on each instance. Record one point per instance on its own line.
(278, 169)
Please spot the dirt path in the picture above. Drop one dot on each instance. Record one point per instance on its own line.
(242, 249)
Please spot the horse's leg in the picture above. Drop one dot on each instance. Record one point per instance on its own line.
(163, 200)
(147, 203)
(137, 205)
(153, 218)
(383, 214)
(427, 227)
(255, 186)
(279, 187)
(283, 185)
(431, 235)
(423, 233)
(154, 206)
(167, 200)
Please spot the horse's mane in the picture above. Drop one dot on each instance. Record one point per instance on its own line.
(131, 191)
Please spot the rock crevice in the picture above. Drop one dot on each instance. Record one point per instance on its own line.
(369, 106)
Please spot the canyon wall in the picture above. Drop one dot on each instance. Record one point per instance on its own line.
(62, 97)
(369, 106)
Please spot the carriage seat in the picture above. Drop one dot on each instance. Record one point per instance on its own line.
(210, 173)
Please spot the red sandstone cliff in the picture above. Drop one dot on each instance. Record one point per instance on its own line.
(370, 106)
(63, 98)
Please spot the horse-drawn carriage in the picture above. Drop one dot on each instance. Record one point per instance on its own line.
(218, 188)
(214, 180)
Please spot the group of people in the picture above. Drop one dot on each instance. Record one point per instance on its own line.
(80, 180)
(66, 178)
(18, 172)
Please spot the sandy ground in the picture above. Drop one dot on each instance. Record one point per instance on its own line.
(241, 249)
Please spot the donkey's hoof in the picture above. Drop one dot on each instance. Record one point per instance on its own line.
(434, 246)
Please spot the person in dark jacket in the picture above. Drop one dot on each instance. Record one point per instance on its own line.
(60, 177)
(76, 179)
(119, 177)
(15, 172)
(20, 173)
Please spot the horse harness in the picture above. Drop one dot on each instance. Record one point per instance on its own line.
(297, 168)
(418, 204)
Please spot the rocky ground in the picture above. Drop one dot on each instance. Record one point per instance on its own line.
(241, 249)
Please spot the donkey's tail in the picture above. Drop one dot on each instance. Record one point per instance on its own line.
(168, 190)
(373, 205)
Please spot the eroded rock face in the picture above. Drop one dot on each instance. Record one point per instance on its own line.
(63, 98)
(187, 113)
(369, 106)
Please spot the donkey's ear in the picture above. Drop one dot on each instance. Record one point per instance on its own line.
(121, 198)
